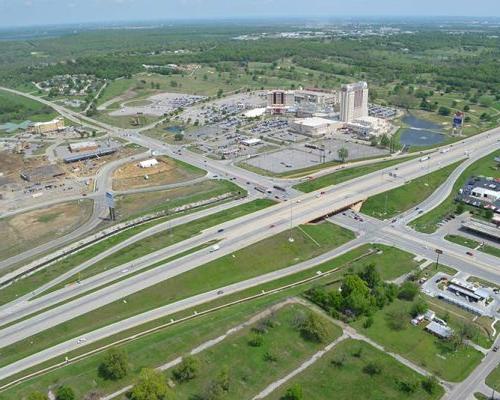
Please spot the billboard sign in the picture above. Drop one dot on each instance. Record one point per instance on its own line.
(110, 200)
(458, 120)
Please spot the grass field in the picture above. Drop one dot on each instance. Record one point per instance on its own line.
(14, 108)
(249, 371)
(413, 343)
(355, 260)
(134, 205)
(393, 202)
(345, 175)
(473, 244)
(493, 379)
(340, 374)
(265, 256)
(428, 222)
(152, 350)
(27, 230)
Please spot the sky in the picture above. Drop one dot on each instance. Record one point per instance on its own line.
(46, 12)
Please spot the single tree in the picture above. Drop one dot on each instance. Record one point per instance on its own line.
(114, 366)
(343, 154)
(38, 396)
(151, 386)
(65, 393)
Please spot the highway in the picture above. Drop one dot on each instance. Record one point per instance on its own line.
(242, 232)
(252, 228)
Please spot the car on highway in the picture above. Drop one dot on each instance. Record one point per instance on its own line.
(469, 253)
(272, 226)
(220, 230)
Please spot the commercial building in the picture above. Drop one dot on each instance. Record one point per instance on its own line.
(439, 330)
(280, 101)
(42, 128)
(378, 111)
(83, 146)
(481, 192)
(368, 127)
(314, 126)
(482, 228)
(89, 155)
(316, 96)
(148, 163)
(353, 101)
(251, 142)
(42, 173)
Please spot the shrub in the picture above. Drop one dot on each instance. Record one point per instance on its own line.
(408, 291)
(256, 340)
(372, 368)
(293, 393)
(368, 322)
(186, 370)
(430, 384)
(65, 393)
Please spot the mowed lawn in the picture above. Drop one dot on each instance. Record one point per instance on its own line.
(249, 368)
(262, 257)
(493, 379)
(345, 175)
(473, 244)
(428, 222)
(415, 344)
(328, 380)
(393, 202)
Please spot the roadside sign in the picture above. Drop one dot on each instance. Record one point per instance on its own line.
(110, 201)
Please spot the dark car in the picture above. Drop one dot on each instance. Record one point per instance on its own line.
(220, 230)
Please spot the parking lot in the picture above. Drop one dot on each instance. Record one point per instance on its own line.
(298, 156)
(157, 105)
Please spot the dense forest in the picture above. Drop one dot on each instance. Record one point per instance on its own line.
(464, 61)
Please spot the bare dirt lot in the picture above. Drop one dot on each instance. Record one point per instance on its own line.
(167, 171)
(27, 230)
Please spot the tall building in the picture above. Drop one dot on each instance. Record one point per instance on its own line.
(280, 101)
(353, 101)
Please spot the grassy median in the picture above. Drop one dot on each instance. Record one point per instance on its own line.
(346, 174)
(393, 202)
(428, 223)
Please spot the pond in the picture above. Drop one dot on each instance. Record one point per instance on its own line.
(421, 132)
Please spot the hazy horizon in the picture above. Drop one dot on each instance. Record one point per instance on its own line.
(27, 13)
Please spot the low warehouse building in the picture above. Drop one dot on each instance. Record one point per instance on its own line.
(251, 142)
(83, 146)
(314, 126)
(42, 173)
(148, 163)
(41, 128)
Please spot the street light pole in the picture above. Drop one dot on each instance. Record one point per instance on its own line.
(290, 238)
